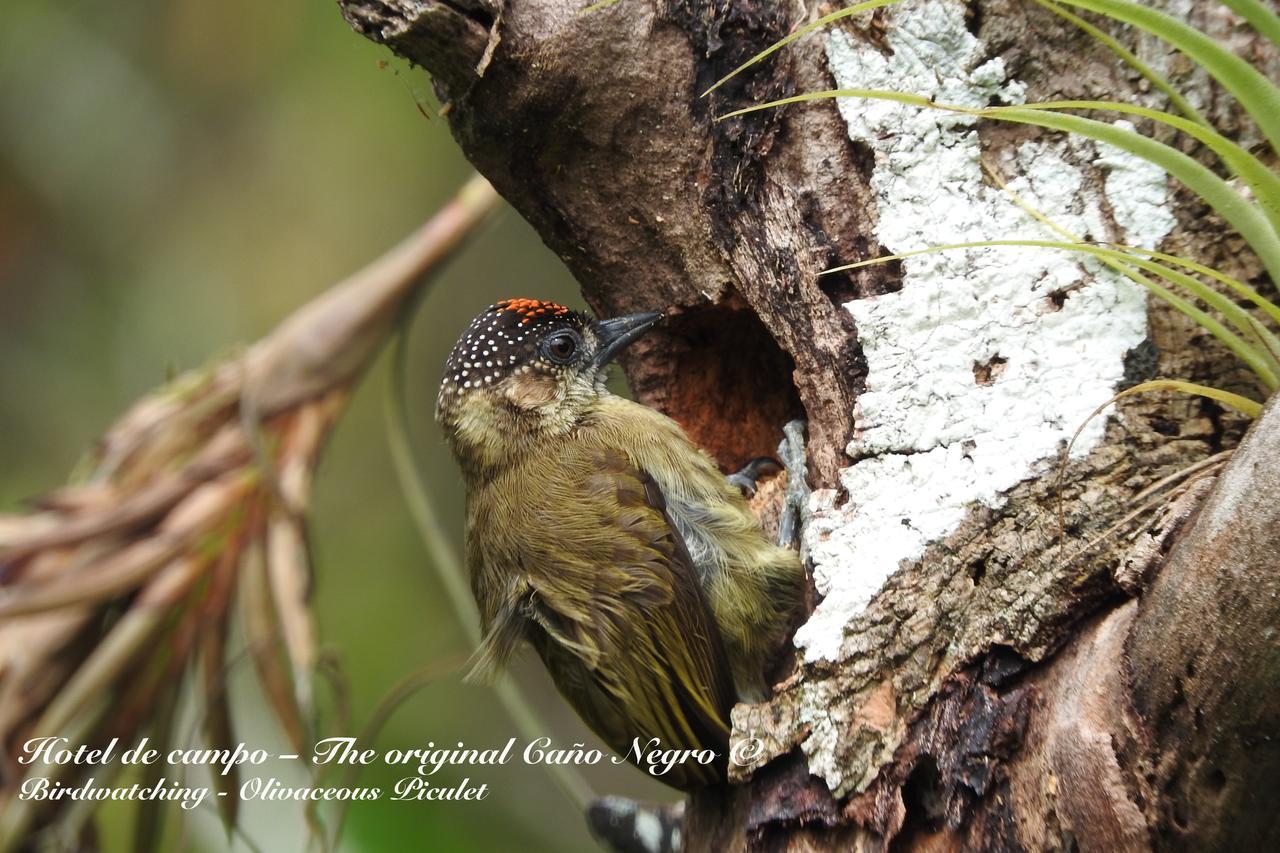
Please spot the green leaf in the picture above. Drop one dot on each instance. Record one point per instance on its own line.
(1264, 183)
(1243, 405)
(1263, 19)
(148, 825)
(1156, 79)
(1272, 310)
(219, 732)
(1256, 359)
(1244, 216)
(1266, 343)
(803, 31)
(404, 689)
(1259, 97)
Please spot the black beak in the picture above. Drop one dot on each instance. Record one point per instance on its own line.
(614, 335)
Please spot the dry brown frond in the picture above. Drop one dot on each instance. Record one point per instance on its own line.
(113, 588)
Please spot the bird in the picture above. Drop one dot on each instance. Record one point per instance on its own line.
(599, 534)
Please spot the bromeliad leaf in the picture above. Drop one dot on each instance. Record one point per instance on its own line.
(1259, 96)
(1245, 216)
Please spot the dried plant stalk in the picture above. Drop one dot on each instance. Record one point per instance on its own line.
(112, 587)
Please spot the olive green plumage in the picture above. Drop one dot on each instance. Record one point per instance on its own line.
(599, 534)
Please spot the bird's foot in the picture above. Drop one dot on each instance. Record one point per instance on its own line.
(795, 503)
(753, 471)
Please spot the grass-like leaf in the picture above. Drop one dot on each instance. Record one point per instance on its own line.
(1264, 183)
(218, 729)
(1243, 215)
(1269, 340)
(1260, 354)
(403, 690)
(800, 33)
(1256, 359)
(1272, 310)
(1154, 77)
(1259, 96)
(262, 635)
(148, 826)
(1267, 345)
(1243, 405)
(1265, 21)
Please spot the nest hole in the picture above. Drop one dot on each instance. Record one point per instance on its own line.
(719, 373)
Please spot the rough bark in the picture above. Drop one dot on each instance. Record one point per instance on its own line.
(1033, 678)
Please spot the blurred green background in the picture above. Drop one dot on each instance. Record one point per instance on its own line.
(175, 177)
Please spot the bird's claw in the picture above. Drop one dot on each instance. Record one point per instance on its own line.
(795, 504)
(753, 471)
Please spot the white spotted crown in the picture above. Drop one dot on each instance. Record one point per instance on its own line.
(503, 339)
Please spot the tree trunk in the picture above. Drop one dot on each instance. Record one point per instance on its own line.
(998, 658)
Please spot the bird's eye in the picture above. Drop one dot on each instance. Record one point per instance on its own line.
(562, 347)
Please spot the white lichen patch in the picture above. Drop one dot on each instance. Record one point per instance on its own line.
(987, 360)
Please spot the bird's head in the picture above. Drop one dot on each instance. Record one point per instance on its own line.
(527, 369)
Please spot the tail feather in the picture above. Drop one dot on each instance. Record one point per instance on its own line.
(623, 825)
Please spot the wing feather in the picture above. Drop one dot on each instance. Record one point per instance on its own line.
(615, 610)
